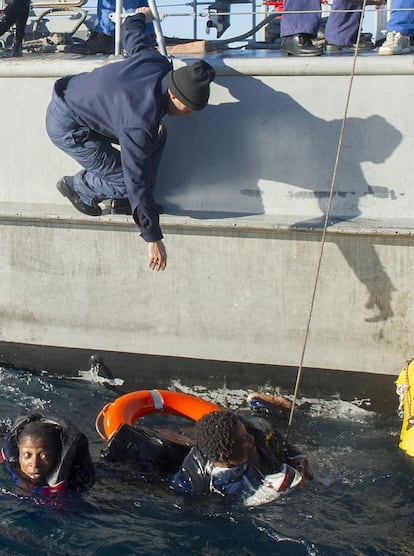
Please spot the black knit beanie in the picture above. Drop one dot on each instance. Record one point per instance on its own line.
(191, 84)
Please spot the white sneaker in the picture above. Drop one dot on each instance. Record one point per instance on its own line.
(395, 43)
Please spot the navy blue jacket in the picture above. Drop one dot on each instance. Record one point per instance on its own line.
(125, 101)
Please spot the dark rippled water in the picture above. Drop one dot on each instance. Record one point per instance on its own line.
(359, 503)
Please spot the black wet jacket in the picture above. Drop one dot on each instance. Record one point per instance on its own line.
(194, 477)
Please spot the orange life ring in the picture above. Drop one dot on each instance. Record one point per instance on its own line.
(128, 408)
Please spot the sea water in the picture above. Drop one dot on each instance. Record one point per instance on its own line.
(358, 503)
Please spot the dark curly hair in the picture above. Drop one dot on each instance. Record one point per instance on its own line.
(215, 434)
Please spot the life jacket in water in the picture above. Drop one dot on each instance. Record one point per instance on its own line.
(405, 391)
(74, 469)
(280, 468)
(154, 451)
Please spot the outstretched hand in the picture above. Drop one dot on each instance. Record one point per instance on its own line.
(146, 11)
(157, 255)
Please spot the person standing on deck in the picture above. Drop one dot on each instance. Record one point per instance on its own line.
(298, 29)
(124, 102)
(102, 38)
(400, 29)
(16, 13)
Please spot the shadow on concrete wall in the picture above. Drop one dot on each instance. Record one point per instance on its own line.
(215, 160)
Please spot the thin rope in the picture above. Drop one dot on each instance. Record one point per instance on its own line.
(328, 210)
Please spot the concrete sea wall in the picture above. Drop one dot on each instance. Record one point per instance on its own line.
(244, 185)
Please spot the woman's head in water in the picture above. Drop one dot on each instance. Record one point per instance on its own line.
(39, 447)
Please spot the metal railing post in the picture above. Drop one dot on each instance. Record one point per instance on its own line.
(157, 27)
(118, 22)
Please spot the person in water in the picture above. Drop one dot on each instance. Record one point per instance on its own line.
(47, 455)
(243, 457)
(240, 455)
(39, 449)
(124, 103)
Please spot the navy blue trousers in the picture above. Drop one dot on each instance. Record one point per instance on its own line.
(341, 28)
(101, 176)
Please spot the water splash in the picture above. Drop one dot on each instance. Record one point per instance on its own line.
(98, 373)
(236, 399)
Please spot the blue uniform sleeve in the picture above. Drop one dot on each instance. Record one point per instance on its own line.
(135, 146)
(134, 38)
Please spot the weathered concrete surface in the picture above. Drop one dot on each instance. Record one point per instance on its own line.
(245, 185)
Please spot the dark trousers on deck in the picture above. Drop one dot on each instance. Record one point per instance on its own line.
(15, 12)
(341, 28)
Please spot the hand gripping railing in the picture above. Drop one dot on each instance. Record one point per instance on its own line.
(118, 16)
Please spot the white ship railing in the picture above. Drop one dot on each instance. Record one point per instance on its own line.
(380, 11)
